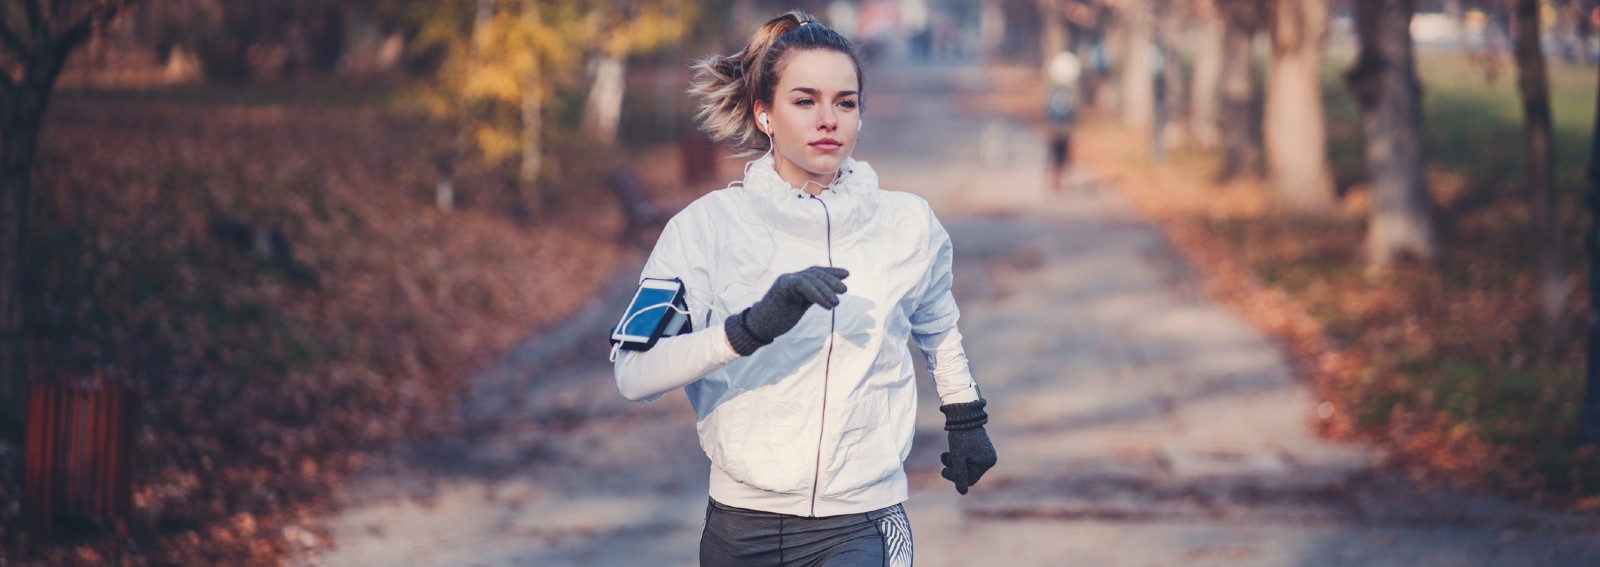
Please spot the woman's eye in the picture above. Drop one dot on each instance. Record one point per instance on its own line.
(848, 104)
(803, 102)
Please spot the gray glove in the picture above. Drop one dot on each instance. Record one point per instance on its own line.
(971, 454)
(782, 307)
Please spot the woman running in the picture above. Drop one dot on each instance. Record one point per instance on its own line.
(807, 414)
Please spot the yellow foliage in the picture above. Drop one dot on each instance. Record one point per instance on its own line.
(529, 46)
(496, 143)
(492, 83)
(651, 25)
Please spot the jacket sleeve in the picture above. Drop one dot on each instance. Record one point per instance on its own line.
(933, 323)
(675, 362)
(947, 362)
(936, 310)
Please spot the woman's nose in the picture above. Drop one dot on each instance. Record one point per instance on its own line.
(830, 120)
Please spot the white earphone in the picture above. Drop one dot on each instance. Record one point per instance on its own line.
(859, 122)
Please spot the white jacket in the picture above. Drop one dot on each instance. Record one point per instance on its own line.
(819, 422)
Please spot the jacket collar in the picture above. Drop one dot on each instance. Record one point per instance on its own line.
(851, 200)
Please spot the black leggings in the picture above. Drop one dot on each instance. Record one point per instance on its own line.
(739, 537)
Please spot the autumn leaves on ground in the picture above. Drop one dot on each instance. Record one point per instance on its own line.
(267, 377)
(1447, 367)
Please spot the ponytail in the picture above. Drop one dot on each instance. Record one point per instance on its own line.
(729, 86)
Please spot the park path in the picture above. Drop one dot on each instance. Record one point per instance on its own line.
(1137, 422)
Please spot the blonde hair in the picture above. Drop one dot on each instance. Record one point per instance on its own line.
(729, 86)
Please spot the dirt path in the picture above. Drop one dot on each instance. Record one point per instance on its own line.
(1137, 422)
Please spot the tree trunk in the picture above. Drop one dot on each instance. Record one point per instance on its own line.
(991, 28)
(1531, 80)
(1205, 88)
(532, 149)
(1384, 81)
(1171, 89)
(1585, 32)
(1106, 88)
(603, 111)
(1589, 418)
(482, 18)
(1138, 84)
(444, 189)
(24, 105)
(1240, 120)
(1052, 32)
(668, 93)
(1293, 129)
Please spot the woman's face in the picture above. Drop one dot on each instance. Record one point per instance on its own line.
(814, 118)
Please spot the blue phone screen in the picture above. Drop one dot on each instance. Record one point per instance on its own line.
(653, 304)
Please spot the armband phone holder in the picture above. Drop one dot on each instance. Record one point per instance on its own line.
(657, 310)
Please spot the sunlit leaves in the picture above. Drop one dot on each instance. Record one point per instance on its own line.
(498, 52)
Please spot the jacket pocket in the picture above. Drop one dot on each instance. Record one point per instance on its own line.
(760, 441)
(867, 453)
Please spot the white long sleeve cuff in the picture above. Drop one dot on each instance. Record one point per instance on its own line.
(947, 361)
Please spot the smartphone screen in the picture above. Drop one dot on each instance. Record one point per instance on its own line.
(653, 302)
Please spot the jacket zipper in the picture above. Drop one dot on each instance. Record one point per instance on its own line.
(827, 364)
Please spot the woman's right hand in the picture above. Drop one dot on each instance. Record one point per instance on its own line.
(782, 307)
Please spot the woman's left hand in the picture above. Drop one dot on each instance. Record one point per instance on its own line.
(971, 453)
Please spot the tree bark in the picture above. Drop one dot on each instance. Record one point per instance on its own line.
(532, 148)
(1293, 129)
(1384, 81)
(1052, 31)
(991, 28)
(1589, 416)
(1535, 88)
(603, 111)
(1585, 32)
(1240, 119)
(1137, 79)
(25, 103)
(444, 189)
(1168, 17)
(1204, 101)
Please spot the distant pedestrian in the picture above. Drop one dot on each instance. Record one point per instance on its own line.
(807, 414)
(1159, 114)
(1061, 114)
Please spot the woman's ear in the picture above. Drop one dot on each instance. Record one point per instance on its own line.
(763, 123)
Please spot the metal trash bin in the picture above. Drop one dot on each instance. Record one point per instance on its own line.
(79, 455)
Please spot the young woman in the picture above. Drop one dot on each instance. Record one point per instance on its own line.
(803, 283)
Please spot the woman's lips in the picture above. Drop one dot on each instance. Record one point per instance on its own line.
(827, 145)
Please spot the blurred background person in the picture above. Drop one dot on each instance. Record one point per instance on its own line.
(1061, 114)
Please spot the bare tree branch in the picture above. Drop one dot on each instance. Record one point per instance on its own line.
(72, 36)
(10, 39)
(36, 24)
(8, 86)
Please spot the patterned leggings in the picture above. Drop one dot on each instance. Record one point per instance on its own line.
(740, 537)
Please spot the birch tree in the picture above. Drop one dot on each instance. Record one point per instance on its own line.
(626, 27)
(502, 60)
